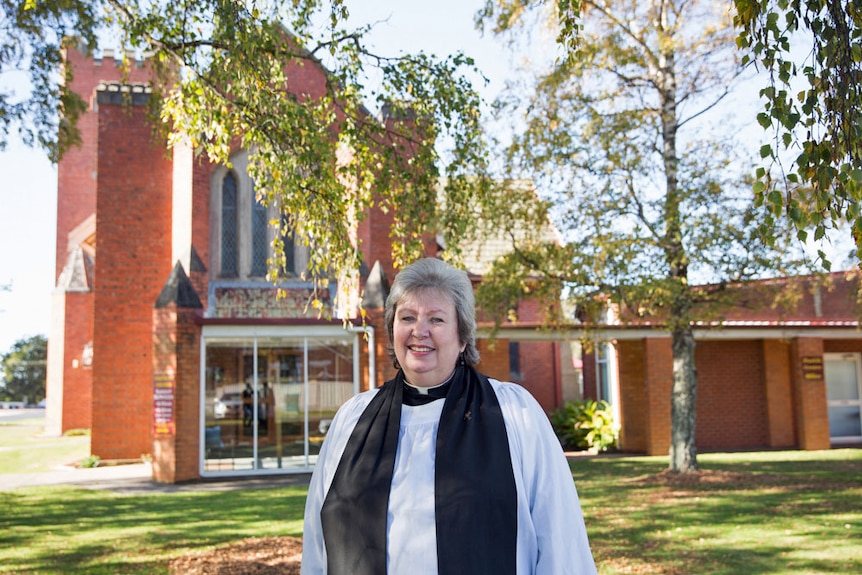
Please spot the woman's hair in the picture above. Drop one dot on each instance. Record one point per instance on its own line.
(434, 274)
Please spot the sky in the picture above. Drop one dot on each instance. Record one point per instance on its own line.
(28, 198)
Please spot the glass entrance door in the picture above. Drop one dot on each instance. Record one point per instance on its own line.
(268, 398)
(843, 396)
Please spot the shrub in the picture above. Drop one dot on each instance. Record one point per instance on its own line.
(585, 425)
(90, 461)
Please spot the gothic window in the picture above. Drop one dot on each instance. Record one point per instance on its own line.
(229, 227)
(288, 268)
(242, 238)
(259, 245)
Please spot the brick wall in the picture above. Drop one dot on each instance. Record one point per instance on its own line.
(751, 394)
(731, 396)
(77, 172)
(176, 353)
(494, 358)
(645, 379)
(540, 373)
(658, 363)
(133, 260)
(634, 418)
(77, 377)
(779, 394)
(201, 218)
(809, 396)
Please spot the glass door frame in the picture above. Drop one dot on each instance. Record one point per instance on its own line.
(856, 358)
(252, 333)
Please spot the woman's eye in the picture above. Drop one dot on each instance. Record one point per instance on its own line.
(407, 318)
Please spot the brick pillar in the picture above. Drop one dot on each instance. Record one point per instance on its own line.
(779, 393)
(176, 381)
(133, 223)
(809, 394)
(633, 412)
(658, 382)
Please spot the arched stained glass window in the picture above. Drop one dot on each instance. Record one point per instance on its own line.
(258, 237)
(288, 237)
(229, 227)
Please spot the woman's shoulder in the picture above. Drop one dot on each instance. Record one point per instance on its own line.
(358, 402)
(508, 392)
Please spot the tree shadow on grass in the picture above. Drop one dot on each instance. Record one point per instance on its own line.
(66, 530)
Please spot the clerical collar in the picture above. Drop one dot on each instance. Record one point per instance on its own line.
(414, 395)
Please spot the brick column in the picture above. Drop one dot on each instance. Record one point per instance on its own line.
(133, 219)
(176, 381)
(779, 393)
(658, 382)
(809, 395)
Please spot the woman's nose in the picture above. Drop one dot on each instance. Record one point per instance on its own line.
(422, 328)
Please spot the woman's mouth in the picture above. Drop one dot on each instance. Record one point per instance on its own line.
(420, 348)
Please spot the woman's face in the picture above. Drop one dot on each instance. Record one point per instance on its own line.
(425, 331)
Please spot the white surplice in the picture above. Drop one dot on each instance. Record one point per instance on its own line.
(552, 538)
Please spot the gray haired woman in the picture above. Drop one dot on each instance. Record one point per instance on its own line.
(441, 470)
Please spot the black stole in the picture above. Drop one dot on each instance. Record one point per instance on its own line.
(474, 491)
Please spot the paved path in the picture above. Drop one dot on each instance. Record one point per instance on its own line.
(137, 478)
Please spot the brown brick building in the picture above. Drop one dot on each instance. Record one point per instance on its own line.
(766, 378)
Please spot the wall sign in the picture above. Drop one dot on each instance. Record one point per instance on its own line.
(812, 368)
(163, 404)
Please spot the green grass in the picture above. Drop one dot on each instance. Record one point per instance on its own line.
(772, 513)
(65, 530)
(24, 448)
(791, 512)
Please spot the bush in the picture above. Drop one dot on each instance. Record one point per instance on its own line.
(585, 425)
(90, 461)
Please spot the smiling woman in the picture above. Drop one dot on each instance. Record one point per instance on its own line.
(441, 470)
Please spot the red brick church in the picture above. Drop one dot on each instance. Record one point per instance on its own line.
(167, 341)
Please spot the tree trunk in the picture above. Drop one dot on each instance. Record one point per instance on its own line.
(683, 450)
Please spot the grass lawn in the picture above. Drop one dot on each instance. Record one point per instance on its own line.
(768, 513)
(24, 449)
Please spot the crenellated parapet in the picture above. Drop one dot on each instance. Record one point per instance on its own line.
(136, 94)
(108, 56)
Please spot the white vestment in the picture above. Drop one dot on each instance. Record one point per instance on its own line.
(552, 538)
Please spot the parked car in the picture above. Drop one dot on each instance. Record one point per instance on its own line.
(228, 406)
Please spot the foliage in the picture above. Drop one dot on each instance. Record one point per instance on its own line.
(812, 53)
(586, 424)
(223, 80)
(90, 461)
(33, 34)
(24, 370)
(777, 512)
(647, 197)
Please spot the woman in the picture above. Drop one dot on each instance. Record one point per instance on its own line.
(441, 470)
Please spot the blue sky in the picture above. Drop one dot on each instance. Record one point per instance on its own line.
(28, 200)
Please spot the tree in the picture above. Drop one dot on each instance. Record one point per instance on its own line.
(647, 201)
(812, 53)
(24, 370)
(30, 45)
(221, 81)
